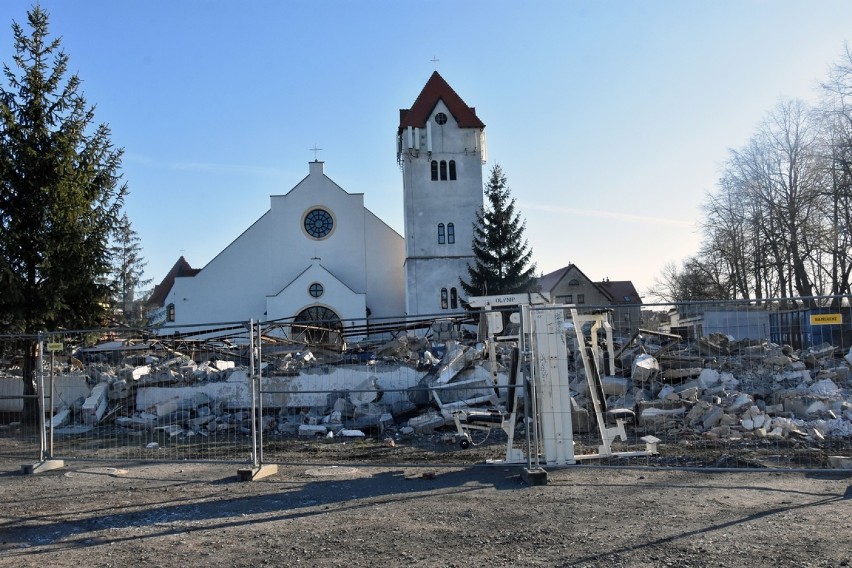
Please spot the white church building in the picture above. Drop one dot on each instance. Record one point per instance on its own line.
(319, 255)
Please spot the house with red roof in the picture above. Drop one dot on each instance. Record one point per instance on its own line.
(569, 285)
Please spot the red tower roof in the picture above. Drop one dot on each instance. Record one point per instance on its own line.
(436, 89)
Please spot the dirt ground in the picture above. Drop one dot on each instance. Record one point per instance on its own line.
(173, 514)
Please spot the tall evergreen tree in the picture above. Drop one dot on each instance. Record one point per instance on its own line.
(128, 267)
(60, 194)
(502, 263)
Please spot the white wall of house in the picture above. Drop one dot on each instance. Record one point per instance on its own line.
(575, 288)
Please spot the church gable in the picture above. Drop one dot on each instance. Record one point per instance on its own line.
(316, 286)
(317, 182)
(262, 274)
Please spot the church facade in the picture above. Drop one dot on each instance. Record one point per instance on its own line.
(319, 255)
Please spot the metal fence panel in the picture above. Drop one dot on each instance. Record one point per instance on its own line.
(116, 394)
(716, 384)
(386, 396)
(18, 439)
(695, 385)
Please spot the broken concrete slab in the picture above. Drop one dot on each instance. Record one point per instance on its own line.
(68, 389)
(366, 392)
(349, 433)
(427, 423)
(11, 394)
(308, 430)
(95, 405)
(61, 418)
(657, 412)
(840, 462)
(615, 385)
(680, 374)
(134, 373)
(456, 360)
(645, 368)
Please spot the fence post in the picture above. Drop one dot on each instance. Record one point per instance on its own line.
(257, 470)
(253, 379)
(40, 374)
(52, 397)
(44, 464)
(531, 394)
(256, 369)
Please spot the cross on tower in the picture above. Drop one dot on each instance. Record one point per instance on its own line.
(435, 60)
(315, 150)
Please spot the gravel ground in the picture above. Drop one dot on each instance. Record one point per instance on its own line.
(191, 514)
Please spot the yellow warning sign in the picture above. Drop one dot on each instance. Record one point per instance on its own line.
(54, 346)
(826, 319)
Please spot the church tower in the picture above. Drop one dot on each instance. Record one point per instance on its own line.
(441, 150)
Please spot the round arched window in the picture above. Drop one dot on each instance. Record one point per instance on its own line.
(318, 223)
(317, 324)
(441, 118)
(316, 290)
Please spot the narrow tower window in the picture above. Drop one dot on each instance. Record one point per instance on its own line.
(452, 170)
(454, 299)
(451, 233)
(443, 170)
(441, 235)
(434, 170)
(443, 298)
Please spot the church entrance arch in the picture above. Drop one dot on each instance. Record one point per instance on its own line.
(317, 325)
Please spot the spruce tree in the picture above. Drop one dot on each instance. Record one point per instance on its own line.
(128, 267)
(60, 194)
(502, 256)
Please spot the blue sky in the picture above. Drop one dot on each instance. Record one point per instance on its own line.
(610, 119)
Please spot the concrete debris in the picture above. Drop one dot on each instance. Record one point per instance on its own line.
(428, 422)
(645, 368)
(716, 388)
(95, 405)
(742, 389)
(11, 392)
(456, 360)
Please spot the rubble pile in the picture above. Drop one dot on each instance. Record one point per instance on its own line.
(731, 390)
(403, 386)
(716, 388)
